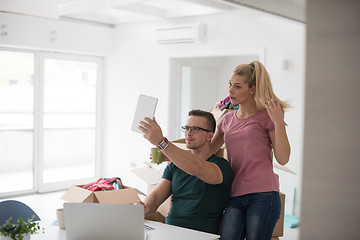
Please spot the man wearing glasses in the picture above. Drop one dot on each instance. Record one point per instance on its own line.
(198, 180)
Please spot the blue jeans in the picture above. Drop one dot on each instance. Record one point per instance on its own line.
(252, 216)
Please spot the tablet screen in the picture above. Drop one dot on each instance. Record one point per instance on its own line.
(145, 107)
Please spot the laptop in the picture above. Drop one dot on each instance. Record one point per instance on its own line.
(95, 221)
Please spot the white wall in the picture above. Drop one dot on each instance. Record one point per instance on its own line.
(228, 68)
(204, 93)
(331, 190)
(54, 35)
(142, 66)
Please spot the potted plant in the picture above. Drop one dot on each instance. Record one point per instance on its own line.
(22, 230)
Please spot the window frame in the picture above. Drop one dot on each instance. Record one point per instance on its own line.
(38, 130)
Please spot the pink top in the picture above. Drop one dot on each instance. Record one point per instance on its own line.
(249, 147)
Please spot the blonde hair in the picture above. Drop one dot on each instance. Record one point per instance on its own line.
(256, 74)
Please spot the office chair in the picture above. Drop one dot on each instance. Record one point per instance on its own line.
(15, 209)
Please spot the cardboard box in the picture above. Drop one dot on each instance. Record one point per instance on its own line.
(218, 114)
(122, 196)
(152, 178)
(78, 194)
(163, 209)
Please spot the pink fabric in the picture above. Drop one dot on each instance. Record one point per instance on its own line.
(100, 185)
(249, 148)
(222, 103)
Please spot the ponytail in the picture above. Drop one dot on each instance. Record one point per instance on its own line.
(256, 74)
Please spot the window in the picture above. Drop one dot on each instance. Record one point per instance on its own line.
(16, 120)
(48, 120)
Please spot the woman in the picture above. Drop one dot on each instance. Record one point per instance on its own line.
(251, 133)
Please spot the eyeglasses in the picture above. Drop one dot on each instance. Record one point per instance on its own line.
(193, 129)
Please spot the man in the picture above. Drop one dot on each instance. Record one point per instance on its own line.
(198, 180)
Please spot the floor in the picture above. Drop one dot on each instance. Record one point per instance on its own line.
(45, 206)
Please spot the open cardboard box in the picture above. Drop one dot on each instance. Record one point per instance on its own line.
(123, 196)
(78, 194)
(152, 177)
(218, 113)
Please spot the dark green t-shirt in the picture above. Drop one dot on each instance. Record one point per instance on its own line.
(196, 204)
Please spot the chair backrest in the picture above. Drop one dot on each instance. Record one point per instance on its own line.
(15, 209)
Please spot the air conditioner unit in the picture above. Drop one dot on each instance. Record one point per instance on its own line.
(182, 34)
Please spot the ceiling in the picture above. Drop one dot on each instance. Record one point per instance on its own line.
(114, 12)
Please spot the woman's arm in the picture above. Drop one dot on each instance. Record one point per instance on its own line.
(280, 144)
(278, 135)
(217, 141)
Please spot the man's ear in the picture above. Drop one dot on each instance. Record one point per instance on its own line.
(210, 136)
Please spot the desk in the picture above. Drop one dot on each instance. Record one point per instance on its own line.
(166, 232)
(162, 232)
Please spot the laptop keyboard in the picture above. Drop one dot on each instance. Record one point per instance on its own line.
(148, 228)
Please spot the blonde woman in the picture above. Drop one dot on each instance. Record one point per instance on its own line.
(251, 133)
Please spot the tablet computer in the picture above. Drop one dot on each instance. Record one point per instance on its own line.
(145, 107)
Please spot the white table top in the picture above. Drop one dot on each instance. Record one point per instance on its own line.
(165, 232)
(162, 232)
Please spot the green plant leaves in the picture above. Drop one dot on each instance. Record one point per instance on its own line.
(16, 231)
